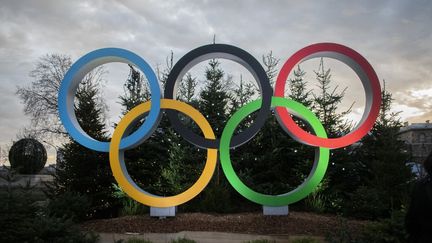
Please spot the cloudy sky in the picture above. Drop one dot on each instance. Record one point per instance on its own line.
(395, 37)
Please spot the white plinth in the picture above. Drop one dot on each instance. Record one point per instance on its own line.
(162, 212)
(283, 210)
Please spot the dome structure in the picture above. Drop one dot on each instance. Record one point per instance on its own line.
(27, 156)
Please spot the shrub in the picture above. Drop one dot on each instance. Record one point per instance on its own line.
(367, 203)
(342, 233)
(129, 206)
(216, 198)
(315, 202)
(58, 230)
(71, 205)
(387, 230)
(383, 231)
(22, 220)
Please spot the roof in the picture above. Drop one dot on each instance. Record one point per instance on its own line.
(416, 126)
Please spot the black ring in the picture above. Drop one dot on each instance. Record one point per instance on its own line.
(226, 52)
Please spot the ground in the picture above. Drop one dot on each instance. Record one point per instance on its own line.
(297, 223)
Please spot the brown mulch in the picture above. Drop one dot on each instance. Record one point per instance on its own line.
(296, 223)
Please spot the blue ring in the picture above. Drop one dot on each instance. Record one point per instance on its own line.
(74, 76)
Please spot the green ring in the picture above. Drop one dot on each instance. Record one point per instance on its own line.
(320, 164)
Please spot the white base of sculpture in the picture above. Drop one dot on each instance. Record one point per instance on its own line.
(283, 210)
(162, 212)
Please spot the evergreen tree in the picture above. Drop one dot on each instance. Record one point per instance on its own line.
(185, 160)
(326, 103)
(187, 89)
(214, 100)
(144, 162)
(342, 176)
(214, 97)
(83, 170)
(151, 165)
(298, 88)
(303, 156)
(136, 90)
(169, 64)
(242, 94)
(270, 63)
(274, 163)
(385, 175)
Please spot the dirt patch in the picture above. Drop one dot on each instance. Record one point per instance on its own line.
(297, 223)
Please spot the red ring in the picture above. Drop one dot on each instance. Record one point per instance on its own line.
(311, 139)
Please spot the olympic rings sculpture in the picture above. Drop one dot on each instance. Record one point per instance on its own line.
(123, 140)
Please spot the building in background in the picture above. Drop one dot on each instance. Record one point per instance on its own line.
(418, 139)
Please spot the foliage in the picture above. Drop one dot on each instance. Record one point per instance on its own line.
(260, 241)
(305, 240)
(187, 88)
(385, 175)
(326, 102)
(135, 240)
(341, 173)
(298, 88)
(183, 240)
(40, 98)
(315, 203)
(146, 161)
(270, 63)
(27, 156)
(22, 220)
(214, 97)
(71, 205)
(136, 90)
(57, 230)
(216, 198)
(387, 230)
(85, 171)
(366, 203)
(129, 206)
(242, 94)
(343, 233)
(272, 162)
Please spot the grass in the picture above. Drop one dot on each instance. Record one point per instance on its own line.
(260, 241)
(183, 240)
(305, 240)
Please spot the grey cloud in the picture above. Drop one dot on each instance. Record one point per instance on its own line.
(395, 36)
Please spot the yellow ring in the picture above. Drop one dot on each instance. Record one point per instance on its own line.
(119, 170)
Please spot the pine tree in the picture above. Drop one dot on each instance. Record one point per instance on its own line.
(146, 161)
(83, 170)
(242, 94)
(270, 62)
(298, 88)
(342, 176)
(214, 100)
(187, 89)
(185, 160)
(136, 90)
(272, 162)
(326, 103)
(385, 175)
(214, 97)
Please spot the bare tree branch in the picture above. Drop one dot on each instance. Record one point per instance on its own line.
(40, 97)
